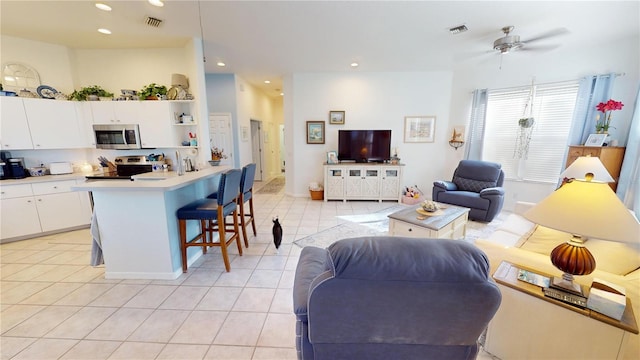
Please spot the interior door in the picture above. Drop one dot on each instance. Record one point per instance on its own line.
(256, 147)
(220, 134)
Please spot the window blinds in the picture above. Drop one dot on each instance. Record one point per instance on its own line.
(553, 106)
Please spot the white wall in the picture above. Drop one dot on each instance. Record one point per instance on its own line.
(619, 56)
(371, 101)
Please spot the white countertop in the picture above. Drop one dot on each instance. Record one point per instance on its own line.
(153, 181)
(44, 178)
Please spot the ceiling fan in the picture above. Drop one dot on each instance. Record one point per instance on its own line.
(510, 42)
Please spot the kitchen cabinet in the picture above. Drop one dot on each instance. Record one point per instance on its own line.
(45, 207)
(155, 119)
(611, 157)
(14, 127)
(114, 112)
(351, 181)
(53, 124)
(83, 113)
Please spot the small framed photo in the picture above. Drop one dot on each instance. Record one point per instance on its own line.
(336, 117)
(595, 140)
(419, 129)
(244, 132)
(332, 157)
(315, 132)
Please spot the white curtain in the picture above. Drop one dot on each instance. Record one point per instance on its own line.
(629, 182)
(475, 142)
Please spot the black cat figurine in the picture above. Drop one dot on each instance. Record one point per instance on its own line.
(277, 233)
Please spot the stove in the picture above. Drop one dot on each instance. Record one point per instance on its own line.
(126, 167)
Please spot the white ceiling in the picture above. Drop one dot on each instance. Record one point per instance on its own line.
(262, 40)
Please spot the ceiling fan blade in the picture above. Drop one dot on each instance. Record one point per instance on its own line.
(539, 48)
(548, 34)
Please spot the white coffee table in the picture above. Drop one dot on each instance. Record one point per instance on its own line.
(450, 224)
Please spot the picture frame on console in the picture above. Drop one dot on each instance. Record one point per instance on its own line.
(595, 140)
(315, 132)
(332, 157)
(419, 129)
(336, 117)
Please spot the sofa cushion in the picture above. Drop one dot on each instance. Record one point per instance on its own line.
(473, 185)
(616, 258)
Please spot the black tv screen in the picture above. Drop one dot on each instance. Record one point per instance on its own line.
(364, 145)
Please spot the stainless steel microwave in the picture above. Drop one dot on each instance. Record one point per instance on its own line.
(117, 136)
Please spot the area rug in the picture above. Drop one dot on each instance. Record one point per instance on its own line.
(272, 187)
(377, 224)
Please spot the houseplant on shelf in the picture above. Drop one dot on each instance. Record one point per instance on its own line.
(92, 93)
(216, 156)
(151, 92)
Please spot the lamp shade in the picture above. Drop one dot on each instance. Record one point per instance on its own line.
(585, 165)
(589, 209)
(179, 80)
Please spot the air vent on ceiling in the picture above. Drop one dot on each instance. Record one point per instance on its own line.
(458, 29)
(151, 21)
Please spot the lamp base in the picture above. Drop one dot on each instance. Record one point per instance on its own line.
(566, 285)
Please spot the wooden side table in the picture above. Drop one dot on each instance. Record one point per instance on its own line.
(529, 325)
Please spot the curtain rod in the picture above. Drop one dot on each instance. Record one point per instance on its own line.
(550, 83)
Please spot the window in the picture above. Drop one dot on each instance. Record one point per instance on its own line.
(553, 106)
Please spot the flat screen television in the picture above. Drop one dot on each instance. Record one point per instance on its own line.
(364, 145)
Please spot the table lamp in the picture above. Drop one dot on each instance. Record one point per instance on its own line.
(585, 165)
(586, 209)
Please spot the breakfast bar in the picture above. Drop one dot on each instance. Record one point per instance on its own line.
(137, 224)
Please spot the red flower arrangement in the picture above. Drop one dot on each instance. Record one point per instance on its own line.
(604, 107)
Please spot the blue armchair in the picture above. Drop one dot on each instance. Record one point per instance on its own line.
(476, 185)
(392, 298)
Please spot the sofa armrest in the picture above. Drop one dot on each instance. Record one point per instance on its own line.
(445, 185)
(492, 191)
(313, 262)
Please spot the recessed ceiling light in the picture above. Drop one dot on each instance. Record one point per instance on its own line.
(354, 64)
(157, 3)
(103, 7)
(221, 64)
(267, 82)
(104, 31)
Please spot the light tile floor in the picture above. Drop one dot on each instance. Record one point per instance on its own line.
(55, 306)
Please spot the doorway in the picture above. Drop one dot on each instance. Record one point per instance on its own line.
(282, 149)
(256, 148)
(220, 134)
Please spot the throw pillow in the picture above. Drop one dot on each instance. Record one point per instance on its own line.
(465, 184)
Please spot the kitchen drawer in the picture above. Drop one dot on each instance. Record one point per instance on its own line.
(15, 191)
(53, 187)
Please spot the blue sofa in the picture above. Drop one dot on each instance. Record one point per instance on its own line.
(476, 185)
(392, 298)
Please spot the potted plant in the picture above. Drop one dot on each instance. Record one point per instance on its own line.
(151, 92)
(216, 156)
(92, 93)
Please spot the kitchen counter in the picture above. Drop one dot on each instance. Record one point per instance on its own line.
(43, 178)
(138, 228)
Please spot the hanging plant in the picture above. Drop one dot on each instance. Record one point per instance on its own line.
(526, 122)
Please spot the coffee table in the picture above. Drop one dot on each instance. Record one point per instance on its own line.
(450, 224)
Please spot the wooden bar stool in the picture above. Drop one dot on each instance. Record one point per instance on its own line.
(246, 194)
(214, 211)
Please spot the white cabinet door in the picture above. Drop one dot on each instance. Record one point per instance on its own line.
(156, 124)
(85, 121)
(59, 211)
(371, 182)
(363, 182)
(334, 183)
(115, 112)
(53, 124)
(390, 183)
(14, 128)
(19, 217)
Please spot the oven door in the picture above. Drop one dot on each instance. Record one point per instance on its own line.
(126, 136)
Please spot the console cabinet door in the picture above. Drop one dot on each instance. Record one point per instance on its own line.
(14, 127)
(390, 183)
(334, 183)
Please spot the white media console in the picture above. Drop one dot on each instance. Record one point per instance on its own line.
(363, 181)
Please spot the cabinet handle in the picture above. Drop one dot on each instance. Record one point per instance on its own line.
(40, 200)
(55, 187)
(28, 201)
(410, 229)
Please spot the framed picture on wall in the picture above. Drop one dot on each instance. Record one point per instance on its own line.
(315, 132)
(595, 140)
(336, 117)
(419, 129)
